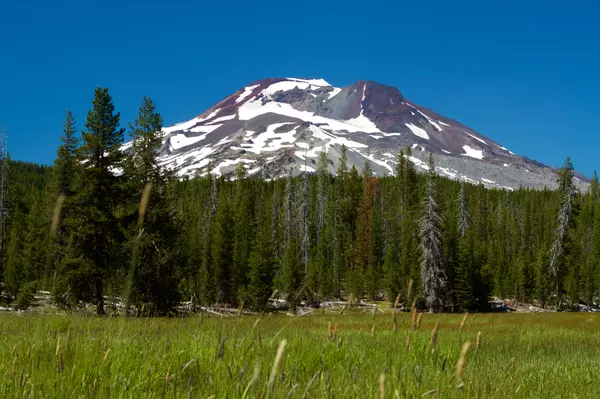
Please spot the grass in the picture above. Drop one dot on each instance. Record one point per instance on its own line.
(553, 355)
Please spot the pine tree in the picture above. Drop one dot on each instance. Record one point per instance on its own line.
(66, 166)
(564, 223)
(409, 257)
(433, 277)
(64, 177)
(13, 271)
(98, 191)
(463, 279)
(463, 217)
(304, 222)
(262, 268)
(322, 188)
(206, 283)
(153, 275)
(222, 250)
(244, 232)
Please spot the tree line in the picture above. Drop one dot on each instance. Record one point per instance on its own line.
(104, 222)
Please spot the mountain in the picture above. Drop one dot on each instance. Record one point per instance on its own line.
(279, 126)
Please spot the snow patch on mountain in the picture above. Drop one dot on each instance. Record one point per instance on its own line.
(314, 82)
(222, 119)
(417, 131)
(182, 126)
(477, 138)
(247, 91)
(334, 92)
(438, 127)
(204, 128)
(473, 153)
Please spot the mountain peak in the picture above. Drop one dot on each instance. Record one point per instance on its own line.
(277, 126)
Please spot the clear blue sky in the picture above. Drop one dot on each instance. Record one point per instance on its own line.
(524, 73)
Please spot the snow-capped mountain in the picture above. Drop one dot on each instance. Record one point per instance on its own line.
(279, 126)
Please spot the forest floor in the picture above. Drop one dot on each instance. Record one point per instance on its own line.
(323, 354)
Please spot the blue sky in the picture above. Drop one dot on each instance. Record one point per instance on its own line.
(524, 73)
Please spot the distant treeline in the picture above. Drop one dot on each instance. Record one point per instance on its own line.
(106, 223)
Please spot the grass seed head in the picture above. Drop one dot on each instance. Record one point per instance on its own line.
(276, 362)
(414, 316)
(373, 331)
(419, 320)
(144, 202)
(57, 346)
(463, 321)
(462, 360)
(478, 342)
(382, 391)
(409, 291)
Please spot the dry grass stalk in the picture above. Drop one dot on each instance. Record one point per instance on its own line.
(407, 345)
(512, 363)
(259, 339)
(106, 354)
(278, 358)
(382, 391)
(56, 215)
(57, 345)
(419, 320)
(394, 312)
(58, 355)
(73, 372)
(335, 330)
(478, 341)
(462, 361)
(329, 330)
(30, 351)
(373, 331)
(409, 291)
(414, 316)
(374, 313)
(434, 333)
(144, 202)
(463, 321)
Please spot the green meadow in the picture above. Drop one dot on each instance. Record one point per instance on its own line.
(321, 355)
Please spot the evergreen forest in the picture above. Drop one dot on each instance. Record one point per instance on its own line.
(105, 223)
